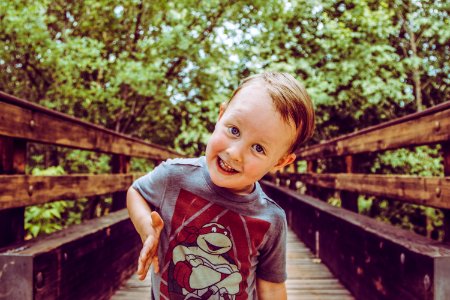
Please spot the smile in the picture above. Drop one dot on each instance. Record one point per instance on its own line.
(211, 246)
(225, 167)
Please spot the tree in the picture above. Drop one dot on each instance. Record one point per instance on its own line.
(143, 68)
(422, 40)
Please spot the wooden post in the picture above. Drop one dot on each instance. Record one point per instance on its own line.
(293, 170)
(446, 153)
(293, 182)
(311, 167)
(119, 164)
(349, 200)
(12, 161)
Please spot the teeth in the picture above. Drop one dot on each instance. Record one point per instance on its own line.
(225, 166)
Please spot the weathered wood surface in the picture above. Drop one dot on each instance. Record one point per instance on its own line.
(308, 279)
(349, 199)
(24, 190)
(133, 289)
(374, 260)
(119, 164)
(25, 120)
(12, 161)
(86, 261)
(427, 127)
(429, 191)
(446, 212)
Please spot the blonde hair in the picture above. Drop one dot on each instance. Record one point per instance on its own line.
(290, 99)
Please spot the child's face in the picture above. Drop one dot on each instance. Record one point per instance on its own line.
(250, 139)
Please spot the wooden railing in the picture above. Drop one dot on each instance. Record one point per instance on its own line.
(373, 259)
(86, 261)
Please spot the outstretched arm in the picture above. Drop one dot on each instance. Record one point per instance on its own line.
(149, 226)
(270, 290)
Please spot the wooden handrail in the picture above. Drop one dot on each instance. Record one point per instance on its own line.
(429, 191)
(29, 121)
(60, 265)
(373, 259)
(427, 127)
(85, 261)
(25, 190)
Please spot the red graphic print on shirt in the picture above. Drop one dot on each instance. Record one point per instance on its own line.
(210, 250)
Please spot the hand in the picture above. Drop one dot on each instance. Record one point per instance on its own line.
(149, 252)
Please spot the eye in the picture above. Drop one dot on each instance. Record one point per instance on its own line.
(225, 233)
(214, 229)
(234, 131)
(258, 148)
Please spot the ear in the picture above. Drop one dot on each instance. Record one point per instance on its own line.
(284, 161)
(222, 108)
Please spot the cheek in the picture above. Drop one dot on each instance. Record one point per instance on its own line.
(258, 168)
(216, 142)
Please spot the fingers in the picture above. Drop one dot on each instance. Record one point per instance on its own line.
(144, 259)
(148, 254)
(155, 264)
(146, 267)
(157, 223)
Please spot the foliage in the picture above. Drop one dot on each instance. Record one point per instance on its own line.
(423, 220)
(80, 161)
(49, 217)
(422, 161)
(140, 165)
(158, 70)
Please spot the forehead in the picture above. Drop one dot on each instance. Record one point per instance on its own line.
(253, 108)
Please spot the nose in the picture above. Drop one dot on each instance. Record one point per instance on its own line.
(234, 151)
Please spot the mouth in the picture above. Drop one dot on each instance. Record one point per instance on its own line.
(225, 167)
(212, 247)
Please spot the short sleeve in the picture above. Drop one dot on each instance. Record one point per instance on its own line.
(152, 186)
(272, 259)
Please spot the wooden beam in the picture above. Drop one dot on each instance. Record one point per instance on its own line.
(349, 200)
(24, 190)
(85, 261)
(25, 120)
(373, 259)
(429, 191)
(12, 161)
(120, 164)
(311, 167)
(446, 212)
(427, 127)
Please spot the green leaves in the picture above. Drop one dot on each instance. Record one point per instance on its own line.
(158, 70)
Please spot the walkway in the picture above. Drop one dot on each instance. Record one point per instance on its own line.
(308, 279)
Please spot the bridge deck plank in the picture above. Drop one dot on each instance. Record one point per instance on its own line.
(308, 278)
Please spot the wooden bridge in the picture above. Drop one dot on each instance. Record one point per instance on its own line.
(348, 255)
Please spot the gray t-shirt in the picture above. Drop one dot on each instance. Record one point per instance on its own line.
(214, 243)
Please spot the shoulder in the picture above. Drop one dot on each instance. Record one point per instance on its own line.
(188, 162)
(272, 205)
(273, 211)
(181, 165)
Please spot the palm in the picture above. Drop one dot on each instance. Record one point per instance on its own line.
(149, 252)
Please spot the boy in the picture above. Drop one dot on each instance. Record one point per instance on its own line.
(215, 232)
